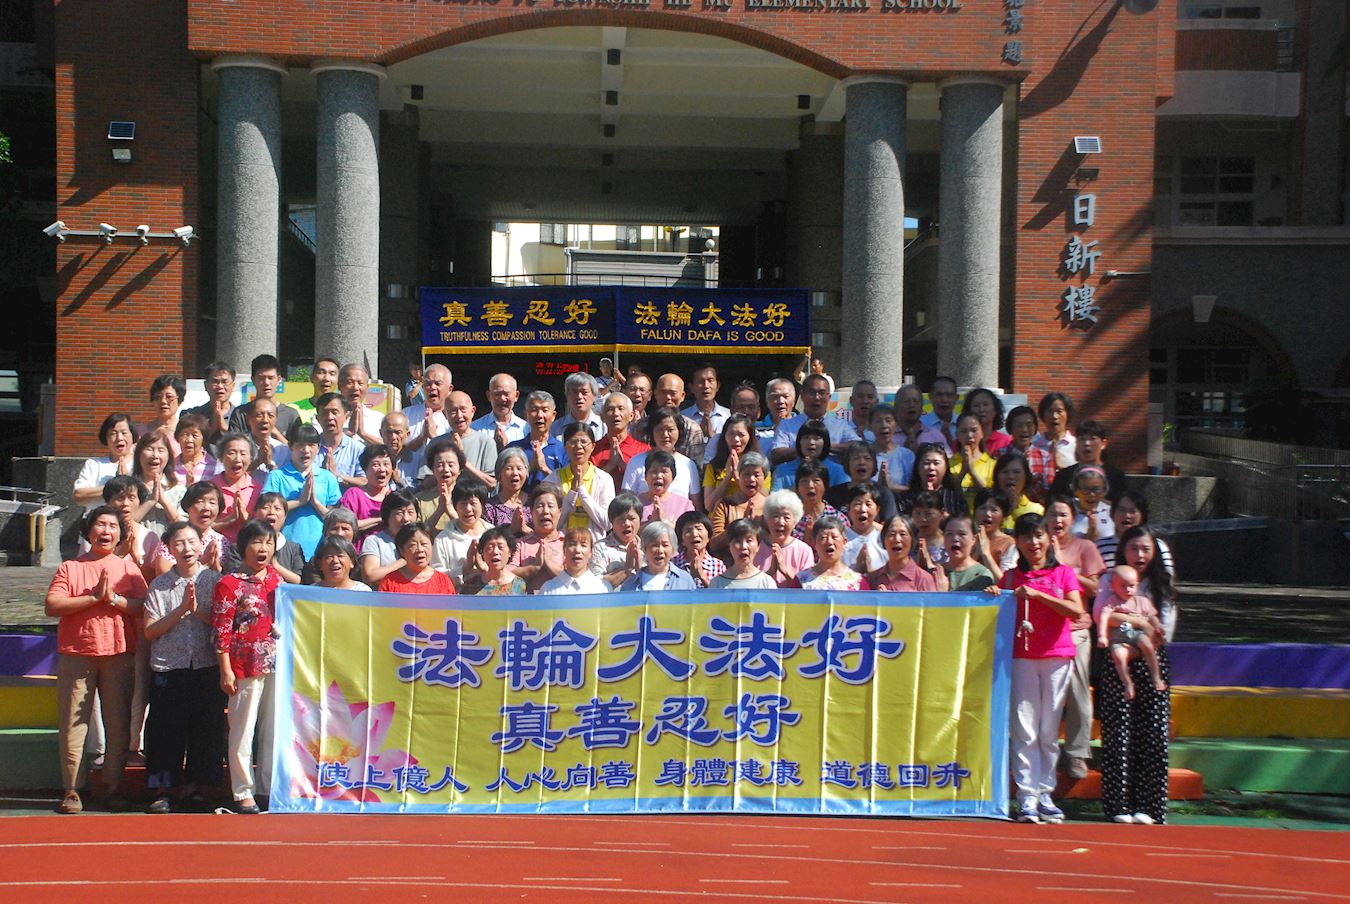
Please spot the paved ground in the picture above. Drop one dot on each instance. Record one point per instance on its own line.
(625, 858)
(1214, 613)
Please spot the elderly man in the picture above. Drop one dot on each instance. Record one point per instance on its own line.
(323, 376)
(394, 435)
(815, 405)
(545, 453)
(942, 392)
(847, 428)
(501, 422)
(426, 420)
(639, 389)
(705, 411)
(613, 453)
(670, 393)
(480, 451)
(271, 451)
(265, 372)
(219, 379)
(581, 391)
(780, 397)
(353, 382)
(910, 430)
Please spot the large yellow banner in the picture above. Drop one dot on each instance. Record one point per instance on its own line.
(779, 701)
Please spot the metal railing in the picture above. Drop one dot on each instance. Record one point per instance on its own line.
(1275, 480)
(298, 231)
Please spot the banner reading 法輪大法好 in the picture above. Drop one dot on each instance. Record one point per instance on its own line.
(713, 321)
(753, 701)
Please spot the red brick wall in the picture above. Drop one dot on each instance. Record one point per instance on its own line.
(1243, 50)
(125, 313)
(1094, 75)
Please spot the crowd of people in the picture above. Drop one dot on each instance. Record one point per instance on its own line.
(634, 482)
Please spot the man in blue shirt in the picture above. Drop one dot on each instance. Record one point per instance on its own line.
(310, 491)
(339, 452)
(545, 453)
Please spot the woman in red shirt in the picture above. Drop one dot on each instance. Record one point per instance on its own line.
(242, 613)
(98, 597)
(415, 543)
(900, 571)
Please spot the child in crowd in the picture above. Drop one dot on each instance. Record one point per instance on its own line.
(743, 542)
(246, 647)
(661, 502)
(660, 572)
(1048, 599)
(452, 544)
(928, 514)
(186, 703)
(1092, 510)
(966, 568)
(863, 551)
(1125, 640)
(493, 574)
(287, 558)
(894, 461)
(577, 576)
(309, 490)
(618, 555)
(694, 531)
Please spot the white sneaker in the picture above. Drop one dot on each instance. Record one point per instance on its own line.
(1122, 817)
(1144, 819)
(1028, 811)
(1049, 812)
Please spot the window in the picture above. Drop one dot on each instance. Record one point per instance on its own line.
(1215, 191)
(1219, 11)
(628, 238)
(552, 234)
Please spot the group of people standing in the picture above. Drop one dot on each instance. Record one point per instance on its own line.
(634, 482)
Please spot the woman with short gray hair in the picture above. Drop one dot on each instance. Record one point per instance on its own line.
(657, 540)
(782, 556)
(509, 506)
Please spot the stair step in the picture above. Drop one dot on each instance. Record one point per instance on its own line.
(1182, 784)
(1301, 766)
(28, 760)
(1265, 712)
(28, 703)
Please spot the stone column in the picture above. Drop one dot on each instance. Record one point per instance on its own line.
(970, 189)
(874, 229)
(347, 269)
(401, 194)
(249, 208)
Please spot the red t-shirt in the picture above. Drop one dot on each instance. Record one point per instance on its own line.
(241, 616)
(629, 447)
(1052, 633)
(439, 584)
(101, 629)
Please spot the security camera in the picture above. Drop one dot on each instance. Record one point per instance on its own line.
(107, 231)
(185, 233)
(144, 232)
(57, 230)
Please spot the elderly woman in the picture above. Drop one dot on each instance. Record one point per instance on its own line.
(193, 462)
(118, 435)
(154, 468)
(781, 555)
(339, 522)
(238, 488)
(588, 490)
(829, 572)
(335, 559)
(364, 501)
(900, 571)
(509, 506)
(379, 554)
(415, 544)
(97, 596)
(752, 474)
(860, 463)
(660, 573)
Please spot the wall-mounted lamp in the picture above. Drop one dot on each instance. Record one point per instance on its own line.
(1202, 306)
(1087, 173)
(120, 130)
(1117, 274)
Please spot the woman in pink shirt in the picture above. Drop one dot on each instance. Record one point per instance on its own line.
(782, 556)
(1048, 599)
(900, 571)
(238, 489)
(98, 598)
(365, 501)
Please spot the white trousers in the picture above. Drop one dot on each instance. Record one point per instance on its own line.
(1039, 687)
(250, 714)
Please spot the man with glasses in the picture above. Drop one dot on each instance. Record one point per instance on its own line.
(219, 380)
(815, 405)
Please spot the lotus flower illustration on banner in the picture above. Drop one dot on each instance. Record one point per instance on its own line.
(342, 738)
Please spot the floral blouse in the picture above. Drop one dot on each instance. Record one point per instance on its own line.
(241, 617)
(803, 529)
(711, 564)
(514, 587)
(850, 580)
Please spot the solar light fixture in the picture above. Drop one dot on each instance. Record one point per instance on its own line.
(1087, 144)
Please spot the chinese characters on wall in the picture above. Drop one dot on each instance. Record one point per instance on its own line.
(1078, 305)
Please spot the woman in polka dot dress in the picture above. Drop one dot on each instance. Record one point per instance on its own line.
(1134, 732)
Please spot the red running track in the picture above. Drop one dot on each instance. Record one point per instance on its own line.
(596, 859)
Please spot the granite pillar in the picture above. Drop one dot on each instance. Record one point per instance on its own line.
(249, 208)
(874, 229)
(970, 191)
(347, 269)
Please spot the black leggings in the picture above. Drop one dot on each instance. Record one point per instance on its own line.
(1134, 741)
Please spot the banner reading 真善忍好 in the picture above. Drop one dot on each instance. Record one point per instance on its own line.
(753, 701)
